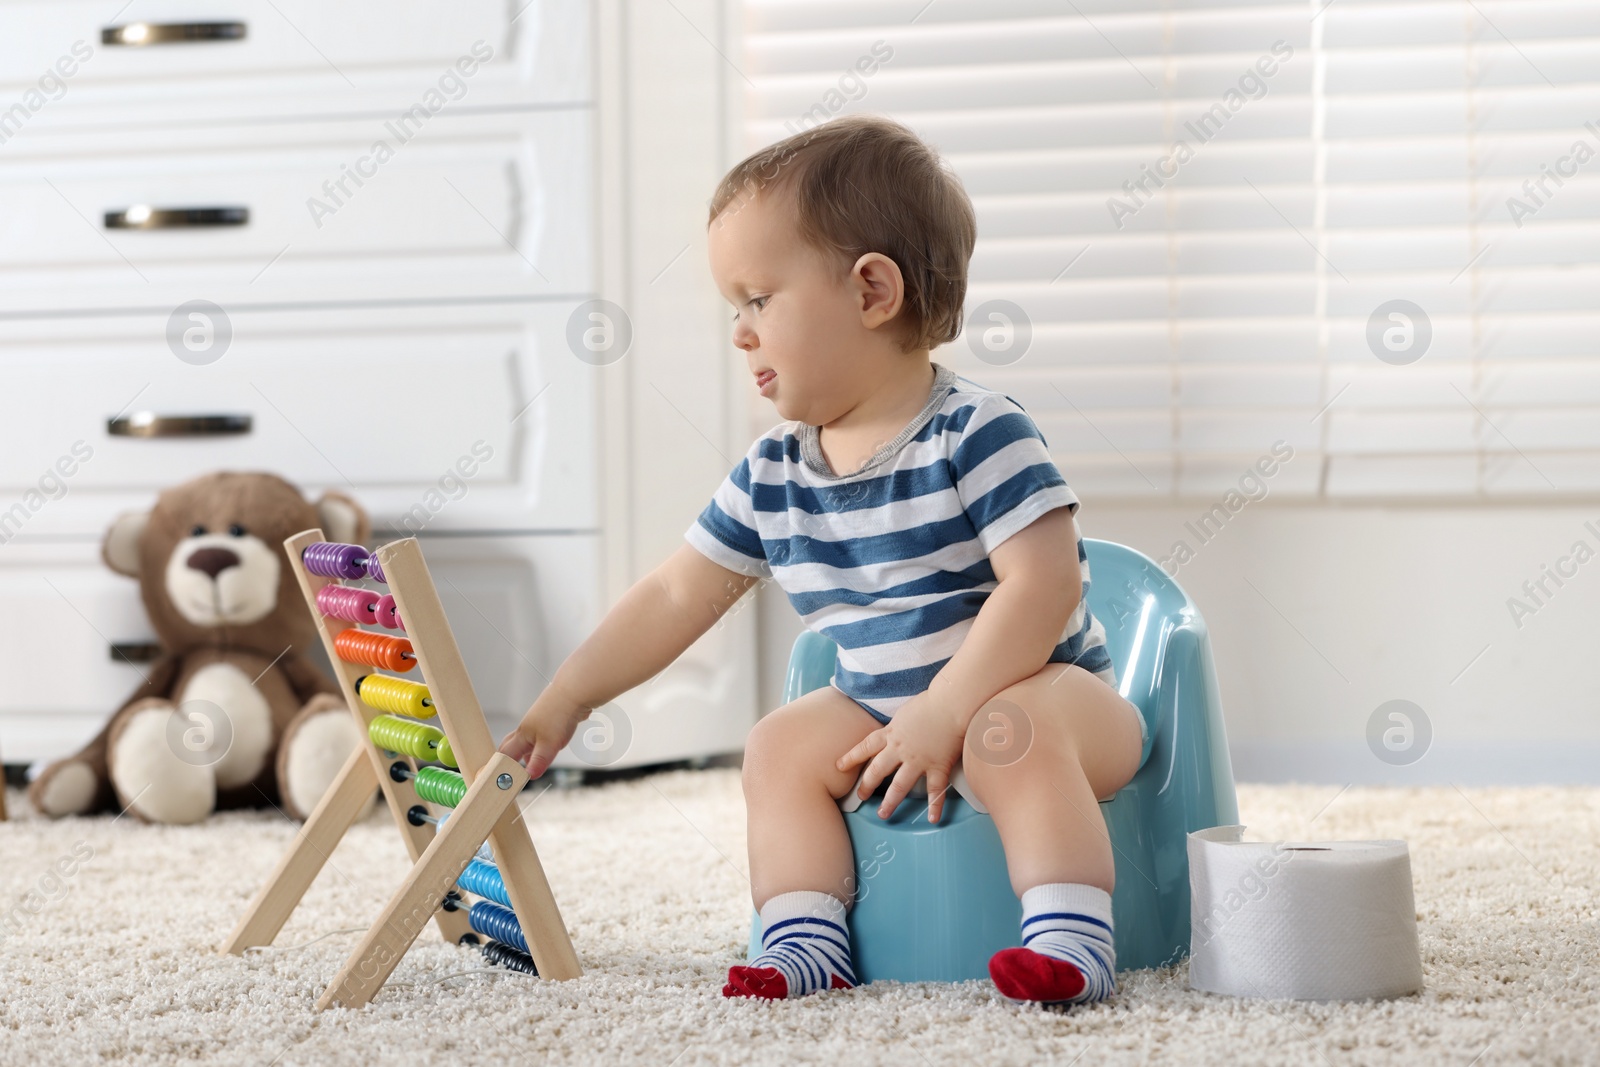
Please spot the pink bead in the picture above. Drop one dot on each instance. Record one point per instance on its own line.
(347, 603)
(387, 614)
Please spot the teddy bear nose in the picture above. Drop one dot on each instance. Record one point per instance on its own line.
(212, 560)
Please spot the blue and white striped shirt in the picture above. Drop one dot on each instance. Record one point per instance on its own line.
(891, 562)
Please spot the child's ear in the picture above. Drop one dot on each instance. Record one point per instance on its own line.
(880, 288)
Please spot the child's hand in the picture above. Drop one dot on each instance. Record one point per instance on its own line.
(543, 732)
(922, 738)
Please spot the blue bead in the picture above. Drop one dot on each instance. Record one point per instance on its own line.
(483, 880)
(491, 920)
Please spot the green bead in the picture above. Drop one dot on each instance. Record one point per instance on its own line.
(439, 786)
(415, 739)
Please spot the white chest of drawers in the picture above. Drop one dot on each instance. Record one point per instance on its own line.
(234, 157)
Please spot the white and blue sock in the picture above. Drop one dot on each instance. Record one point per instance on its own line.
(805, 948)
(1068, 954)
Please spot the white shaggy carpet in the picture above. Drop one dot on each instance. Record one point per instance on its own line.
(121, 965)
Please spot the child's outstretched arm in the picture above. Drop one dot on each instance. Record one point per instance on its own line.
(659, 617)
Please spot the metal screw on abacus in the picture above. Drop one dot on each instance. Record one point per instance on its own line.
(599, 332)
(199, 733)
(1005, 733)
(1399, 732)
(1399, 332)
(999, 332)
(604, 742)
(199, 332)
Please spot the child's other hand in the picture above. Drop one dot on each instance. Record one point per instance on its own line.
(517, 747)
(543, 732)
(922, 738)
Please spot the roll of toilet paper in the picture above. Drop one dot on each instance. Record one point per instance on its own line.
(1329, 920)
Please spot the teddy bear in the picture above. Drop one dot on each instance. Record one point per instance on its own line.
(232, 713)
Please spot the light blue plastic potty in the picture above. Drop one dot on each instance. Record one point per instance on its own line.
(934, 903)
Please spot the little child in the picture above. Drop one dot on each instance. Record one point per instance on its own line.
(916, 519)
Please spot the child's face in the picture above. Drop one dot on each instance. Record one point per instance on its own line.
(796, 312)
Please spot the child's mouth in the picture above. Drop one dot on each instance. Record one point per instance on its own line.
(764, 379)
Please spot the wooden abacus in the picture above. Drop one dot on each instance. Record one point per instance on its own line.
(518, 915)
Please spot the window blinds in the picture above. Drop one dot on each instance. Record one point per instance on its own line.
(1366, 230)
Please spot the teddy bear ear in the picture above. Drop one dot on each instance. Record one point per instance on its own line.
(343, 520)
(120, 549)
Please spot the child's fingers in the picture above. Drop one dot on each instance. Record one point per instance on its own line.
(899, 789)
(882, 765)
(544, 753)
(938, 787)
(516, 746)
(865, 749)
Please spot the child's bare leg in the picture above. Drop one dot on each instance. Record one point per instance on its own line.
(1085, 746)
(801, 867)
(791, 789)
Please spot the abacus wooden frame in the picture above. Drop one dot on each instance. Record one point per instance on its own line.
(488, 811)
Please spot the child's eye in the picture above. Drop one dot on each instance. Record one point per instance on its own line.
(757, 302)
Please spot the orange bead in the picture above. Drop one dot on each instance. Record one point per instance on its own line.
(375, 650)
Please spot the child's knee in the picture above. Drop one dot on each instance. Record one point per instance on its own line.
(769, 748)
(792, 747)
(1001, 735)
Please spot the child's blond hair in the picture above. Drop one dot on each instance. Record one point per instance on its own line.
(863, 184)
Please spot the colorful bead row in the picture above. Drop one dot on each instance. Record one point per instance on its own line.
(395, 695)
(439, 786)
(360, 606)
(483, 880)
(375, 650)
(497, 922)
(415, 739)
(331, 559)
(508, 957)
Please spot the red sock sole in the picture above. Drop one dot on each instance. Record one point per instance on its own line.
(767, 983)
(1023, 974)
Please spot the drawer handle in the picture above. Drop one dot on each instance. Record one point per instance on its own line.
(145, 217)
(149, 424)
(135, 651)
(138, 34)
